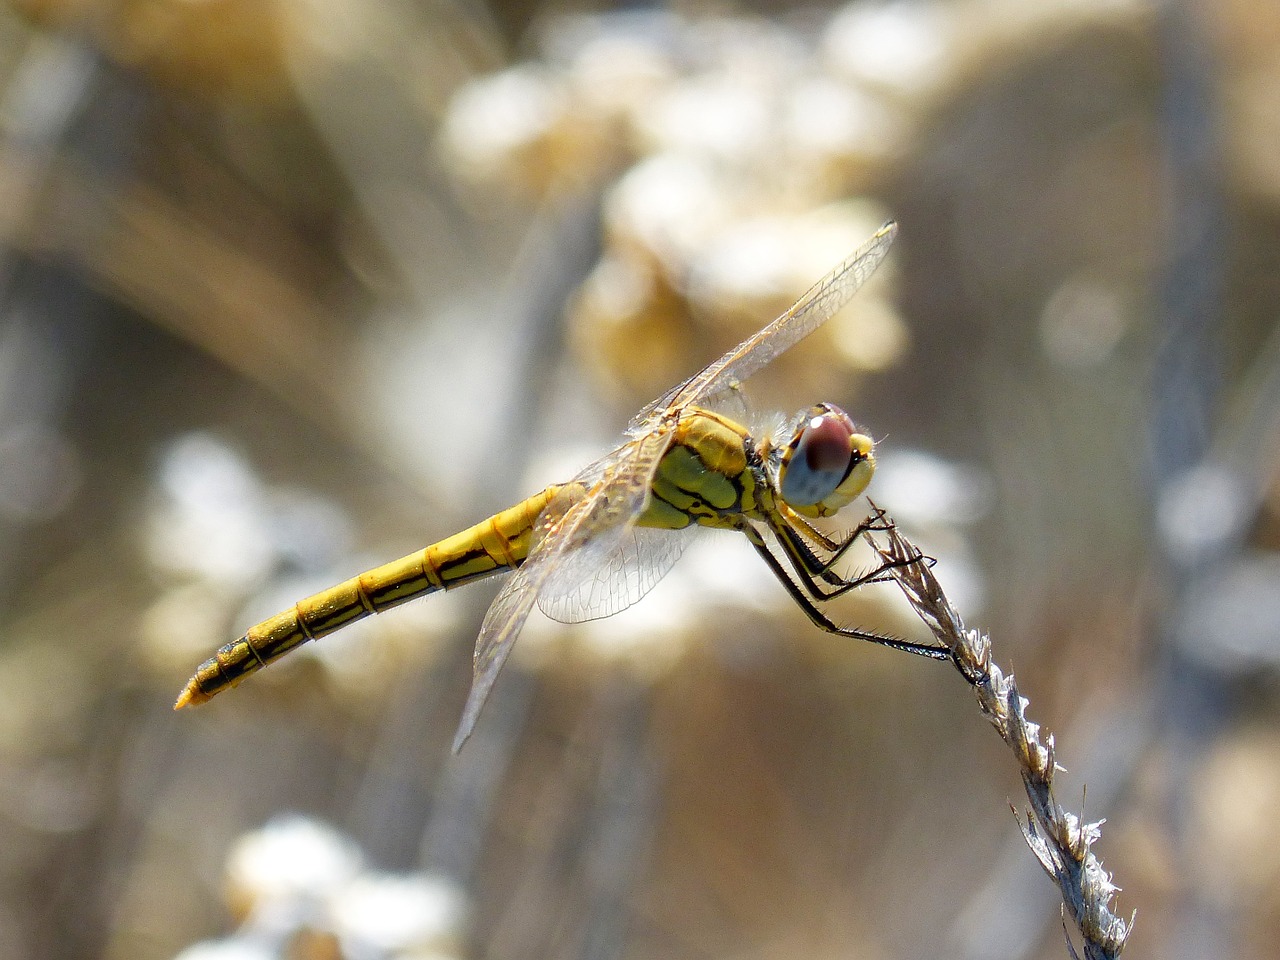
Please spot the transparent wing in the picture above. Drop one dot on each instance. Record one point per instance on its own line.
(591, 582)
(573, 531)
(806, 315)
(502, 624)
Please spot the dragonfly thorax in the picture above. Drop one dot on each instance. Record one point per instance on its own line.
(708, 475)
(826, 463)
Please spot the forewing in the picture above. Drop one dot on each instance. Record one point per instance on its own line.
(596, 525)
(806, 315)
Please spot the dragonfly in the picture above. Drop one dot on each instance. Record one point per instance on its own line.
(596, 544)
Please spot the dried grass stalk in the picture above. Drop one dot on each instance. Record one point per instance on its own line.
(1060, 840)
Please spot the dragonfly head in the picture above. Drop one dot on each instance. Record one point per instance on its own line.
(826, 464)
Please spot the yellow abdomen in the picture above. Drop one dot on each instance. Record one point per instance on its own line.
(499, 543)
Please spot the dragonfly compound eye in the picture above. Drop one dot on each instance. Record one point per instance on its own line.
(826, 464)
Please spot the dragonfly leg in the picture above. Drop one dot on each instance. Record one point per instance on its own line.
(809, 567)
(877, 522)
(805, 560)
(810, 607)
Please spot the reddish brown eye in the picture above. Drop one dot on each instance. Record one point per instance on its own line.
(818, 457)
(825, 445)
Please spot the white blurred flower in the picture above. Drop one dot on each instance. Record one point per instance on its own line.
(399, 913)
(211, 522)
(232, 948)
(291, 858)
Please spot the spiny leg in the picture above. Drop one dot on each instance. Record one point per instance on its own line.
(821, 619)
(809, 566)
(875, 523)
(794, 528)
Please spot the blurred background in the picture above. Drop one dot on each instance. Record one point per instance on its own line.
(293, 287)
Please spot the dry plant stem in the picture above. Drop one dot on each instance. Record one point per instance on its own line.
(1060, 840)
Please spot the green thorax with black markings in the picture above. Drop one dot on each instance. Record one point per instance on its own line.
(711, 474)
